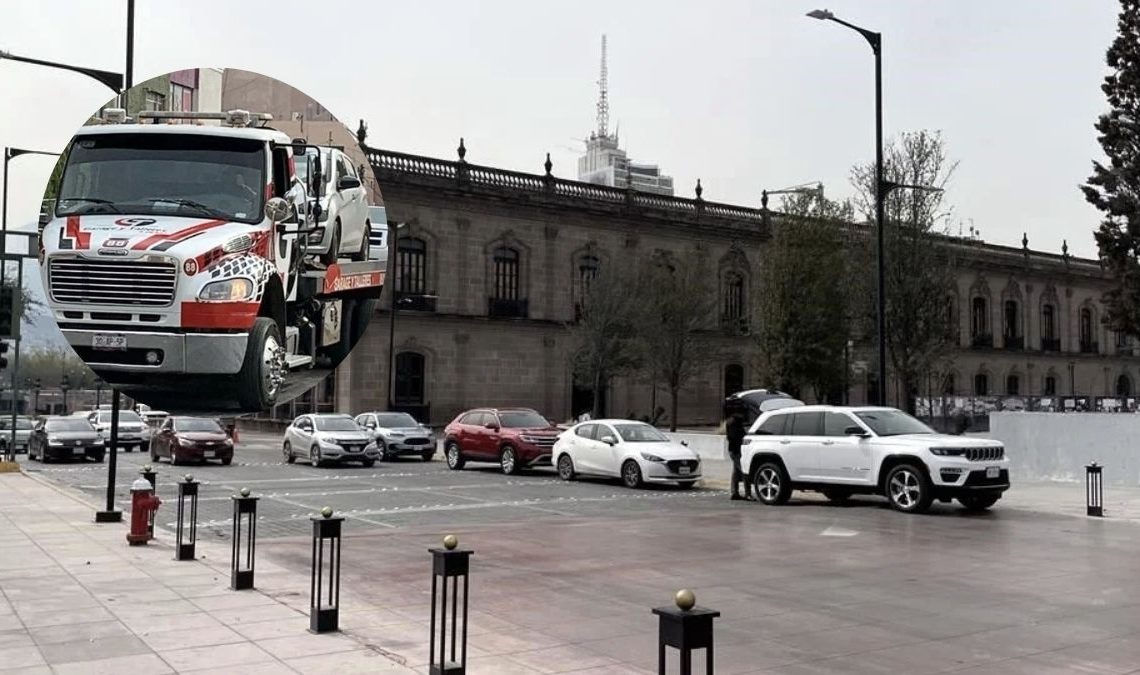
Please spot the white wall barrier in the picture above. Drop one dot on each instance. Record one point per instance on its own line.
(1057, 446)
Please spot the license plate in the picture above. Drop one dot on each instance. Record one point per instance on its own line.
(78, 443)
(80, 451)
(111, 341)
(993, 472)
(208, 453)
(353, 448)
(684, 471)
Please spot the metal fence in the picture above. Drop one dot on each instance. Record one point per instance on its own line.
(943, 412)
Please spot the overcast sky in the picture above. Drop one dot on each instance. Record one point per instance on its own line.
(745, 94)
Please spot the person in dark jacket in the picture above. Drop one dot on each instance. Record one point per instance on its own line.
(735, 431)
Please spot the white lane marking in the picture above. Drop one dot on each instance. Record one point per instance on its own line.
(834, 531)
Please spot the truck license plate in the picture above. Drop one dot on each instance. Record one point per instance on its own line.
(109, 341)
(993, 472)
(684, 471)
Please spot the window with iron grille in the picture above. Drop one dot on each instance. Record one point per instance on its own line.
(409, 378)
(1048, 323)
(587, 272)
(1086, 326)
(506, 273)
(1012, 329)
(411, 266)
(733, 310)
(979, 325)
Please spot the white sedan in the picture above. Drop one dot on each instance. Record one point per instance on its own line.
(634, 451)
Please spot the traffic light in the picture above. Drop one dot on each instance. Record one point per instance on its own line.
(3, 351)
(7, 311)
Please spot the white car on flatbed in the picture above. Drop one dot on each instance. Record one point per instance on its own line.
(841, 451)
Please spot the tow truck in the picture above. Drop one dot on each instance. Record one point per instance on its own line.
(175, 258)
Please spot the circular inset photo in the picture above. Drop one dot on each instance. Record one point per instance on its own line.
(210, 241)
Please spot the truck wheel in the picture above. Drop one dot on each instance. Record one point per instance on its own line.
(362, 254)
(263, 370)
(334, 245)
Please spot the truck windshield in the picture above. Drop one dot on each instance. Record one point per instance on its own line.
(164, 175)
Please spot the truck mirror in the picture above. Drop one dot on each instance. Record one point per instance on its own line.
(277, 209)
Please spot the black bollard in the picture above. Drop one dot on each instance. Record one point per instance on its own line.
(241, 570)
(324, 607)
(685, 627)
(187, 531)
(148, 473)
(448, 564)
(1094, 490)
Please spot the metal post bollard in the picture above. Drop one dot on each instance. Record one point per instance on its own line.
(448, 563)
(187, 490)
(151, 477)
(685, 627)
(1094, 490)
(241, 572)
(324, 616)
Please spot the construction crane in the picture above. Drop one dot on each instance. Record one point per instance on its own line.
(603, 96)
(815, 188)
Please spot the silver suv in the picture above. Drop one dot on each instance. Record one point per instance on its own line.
(323, 438)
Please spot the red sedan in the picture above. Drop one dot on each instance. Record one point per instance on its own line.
(191, 439)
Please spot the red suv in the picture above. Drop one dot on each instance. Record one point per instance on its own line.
(514, 438)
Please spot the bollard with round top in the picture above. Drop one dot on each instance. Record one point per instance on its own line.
(244, 540)
(324, 603)
(448, 564)
(186, 531)
(685, 627)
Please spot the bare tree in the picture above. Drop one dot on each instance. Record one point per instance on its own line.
(605, 335)
(919, 268)
(802, 303)
(678, 304)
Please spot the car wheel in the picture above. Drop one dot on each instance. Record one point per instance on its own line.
(385, 453)
(368, 463)
(565, 467)
(771, 485)
(333, 253)
(631, 474)
(362, 254)
(908, 489)
(153, 455)
(428, 455)
(287, 450)
(263, 368)
(455, 459)
(315, 455)
(100, 456)
(174, 459)
(837, 496)
(43, 457)
(227, 461)
(509, 461)
(978, 503)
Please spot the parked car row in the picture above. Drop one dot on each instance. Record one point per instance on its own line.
(324, 438)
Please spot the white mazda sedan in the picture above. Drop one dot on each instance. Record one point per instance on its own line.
(634, 451)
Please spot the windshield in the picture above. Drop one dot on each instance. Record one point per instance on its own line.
(21, 423)
(127, 416)
(164, 175)
(396, 421)
(196, 424)
(337, 424)
(640, 433)
(892, 423)
(522, 420)
(71, 424)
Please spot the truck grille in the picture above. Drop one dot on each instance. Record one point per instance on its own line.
(112, 282)
(984, 454)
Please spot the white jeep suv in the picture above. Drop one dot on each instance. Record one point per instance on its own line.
(345, 220)
(841, 451)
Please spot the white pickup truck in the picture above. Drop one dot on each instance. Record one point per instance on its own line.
(175, 257)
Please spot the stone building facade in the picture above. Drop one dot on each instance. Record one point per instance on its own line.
(488, 265)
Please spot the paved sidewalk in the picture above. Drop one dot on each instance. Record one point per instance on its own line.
(75, 598)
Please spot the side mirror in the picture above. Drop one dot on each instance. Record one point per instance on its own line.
(277, 210)
(347, 183)
(854, 430)
(685, 443)
(609, 440)
(492, 426)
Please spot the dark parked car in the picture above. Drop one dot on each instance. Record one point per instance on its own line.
(191, 439)
(65, 438)
(513, 438)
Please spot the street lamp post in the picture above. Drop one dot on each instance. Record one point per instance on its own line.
(64, 385)
(395, 302)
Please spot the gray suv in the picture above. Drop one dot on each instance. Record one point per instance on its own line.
(397, 433)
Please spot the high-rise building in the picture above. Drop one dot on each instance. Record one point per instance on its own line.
(607, 164)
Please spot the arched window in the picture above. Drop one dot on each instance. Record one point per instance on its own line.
(981, 385)
(587, 272)
(1049, 328)
(948, 385)
(733, 379)
(1124, 386)
(409, 379)
(1012, 385)
(1011, 328)
(979, 318)
(411, 266)
(1088, 345)
(951, 320)
(732, 310)
(1050, 385)
(506, 273)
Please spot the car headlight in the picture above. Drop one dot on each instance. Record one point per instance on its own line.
(649, 457)
(396, 434)
(98, 441)
(239, 288)
(324, 442)
(52, 440)
(948, 452)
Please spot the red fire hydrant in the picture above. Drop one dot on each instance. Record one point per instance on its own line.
(143, 503)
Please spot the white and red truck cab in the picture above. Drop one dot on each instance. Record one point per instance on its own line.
(175, 256)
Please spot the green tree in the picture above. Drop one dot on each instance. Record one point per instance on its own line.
(677, 306)
(803, 302)
(919, 270)
(605, 336)
(1115, 189)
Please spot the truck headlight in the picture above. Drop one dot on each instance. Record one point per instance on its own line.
(229, 289)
